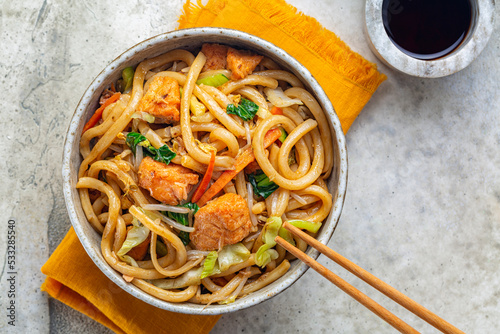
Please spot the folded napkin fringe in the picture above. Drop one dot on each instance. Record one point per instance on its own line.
(306, 30)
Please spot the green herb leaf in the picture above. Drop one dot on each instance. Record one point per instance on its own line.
(214, 80)
(182, 218)
(162, 154)
(261, 184)
(246, 110)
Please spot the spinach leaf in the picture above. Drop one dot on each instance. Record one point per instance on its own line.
(261, 184)
(246, 109)
(133, 139)
(182, 218)
(162, 154)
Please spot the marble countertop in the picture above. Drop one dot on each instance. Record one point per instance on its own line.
(422, 209)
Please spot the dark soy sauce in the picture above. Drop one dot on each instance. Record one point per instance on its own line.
(427, 29)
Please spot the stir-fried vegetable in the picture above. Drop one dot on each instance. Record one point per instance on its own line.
(261, 184)
(183, 218)
(286, 235)
(135, 236)
(231, 255)
(215, 80)
(144, 116)
(161, 249)
(312, 227)
(98, 113)
(241, 162)
(196, 107)
(206, 179)
(283, 135)
(162, 154)
(209, 264)
(127, 79)
(265, 253)
(190, 277)
(246, 110)
(276, 110)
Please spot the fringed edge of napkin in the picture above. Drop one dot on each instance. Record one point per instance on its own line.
(305, 29)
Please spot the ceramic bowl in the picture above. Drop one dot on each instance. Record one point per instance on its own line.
(192, 39)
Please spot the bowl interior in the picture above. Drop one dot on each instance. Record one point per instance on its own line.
(192, 39)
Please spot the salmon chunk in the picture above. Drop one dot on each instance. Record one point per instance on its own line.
(216, 56)
(169, 184)
(222, 221)
(162, 100)
(241, 63)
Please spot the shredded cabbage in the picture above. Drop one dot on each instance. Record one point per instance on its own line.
(137, 234)
(306, 225)
(129, 260)
(144, 116)
(196, 107)
(209, 264)
(286, 235)
(191, 277)
(263, 113)
(265, 253)
(279, 99)
(231, 255)
(229, 300)
(270, 230)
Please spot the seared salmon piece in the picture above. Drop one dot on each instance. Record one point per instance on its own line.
(162, 100)
(169, 184)
(241, 63)
(222, 221)
(216, 56)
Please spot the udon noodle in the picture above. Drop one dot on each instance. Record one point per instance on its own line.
(192, 163)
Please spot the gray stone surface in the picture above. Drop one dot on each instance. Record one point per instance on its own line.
(422, 210)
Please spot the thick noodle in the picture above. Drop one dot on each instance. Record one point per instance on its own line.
(165, 262)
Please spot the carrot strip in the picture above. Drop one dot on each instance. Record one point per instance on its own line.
(205, 181)
(271, 136)
(241, 162)
(98, 113)
(276, 110)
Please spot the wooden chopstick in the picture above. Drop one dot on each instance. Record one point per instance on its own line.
(375, 282)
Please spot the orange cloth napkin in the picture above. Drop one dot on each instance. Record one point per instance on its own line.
(348, 80)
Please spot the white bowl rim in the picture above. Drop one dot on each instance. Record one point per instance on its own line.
(255, 298)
